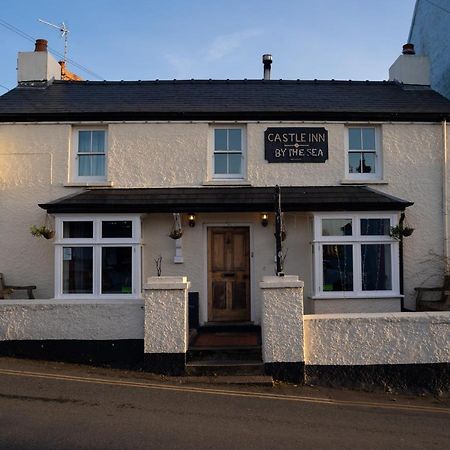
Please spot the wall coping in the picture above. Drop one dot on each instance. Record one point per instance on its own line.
(288, 281)
(422, 315)
(72, 302)
(166, 283)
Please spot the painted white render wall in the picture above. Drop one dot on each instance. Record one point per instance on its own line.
(166, 328)
(329, 339)
(71, 319)
(356, 305)
(35, 165)
(282, 319)
(390, 338)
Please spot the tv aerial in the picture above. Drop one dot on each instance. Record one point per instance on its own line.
(64, 32)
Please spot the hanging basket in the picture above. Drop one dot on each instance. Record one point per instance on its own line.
(176, 234)
(399, 231)
(44, 231)
(176, 231)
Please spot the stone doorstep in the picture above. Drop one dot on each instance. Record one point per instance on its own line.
(232, 368)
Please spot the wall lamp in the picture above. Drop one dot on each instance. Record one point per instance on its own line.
(191, 220)
(264, 219)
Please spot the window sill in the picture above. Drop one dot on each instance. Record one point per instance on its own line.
(362, 181)
(227, 182)
(89, 184)
(355, 297)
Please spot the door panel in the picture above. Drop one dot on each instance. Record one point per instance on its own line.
(228, 274)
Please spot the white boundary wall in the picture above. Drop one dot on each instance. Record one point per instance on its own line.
(387, 338)
(71, 319)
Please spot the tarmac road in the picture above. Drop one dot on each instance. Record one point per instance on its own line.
(61, 406)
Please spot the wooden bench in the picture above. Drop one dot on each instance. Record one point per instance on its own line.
(434, 298)
(6, 291)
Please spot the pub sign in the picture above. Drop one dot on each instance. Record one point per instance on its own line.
(296, 145)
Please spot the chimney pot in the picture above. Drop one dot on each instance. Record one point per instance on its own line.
(408, 49)
(267, 61)
(41, 45)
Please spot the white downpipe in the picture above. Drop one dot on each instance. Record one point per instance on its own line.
(445, 197)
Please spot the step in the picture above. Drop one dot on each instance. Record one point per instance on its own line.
(252, 353)
(229, 326)
(240, 380)
(225, 367)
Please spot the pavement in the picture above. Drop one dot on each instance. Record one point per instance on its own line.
(50, 405)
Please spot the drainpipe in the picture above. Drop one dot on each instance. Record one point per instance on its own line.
(445, 197)
(401, 264)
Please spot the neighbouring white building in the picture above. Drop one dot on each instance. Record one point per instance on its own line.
(112, 162)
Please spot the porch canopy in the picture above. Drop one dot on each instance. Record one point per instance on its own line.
(226, 199)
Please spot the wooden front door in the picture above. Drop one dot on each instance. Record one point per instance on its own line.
(228, 274)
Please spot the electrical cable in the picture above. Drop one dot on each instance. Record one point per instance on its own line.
(26, 36)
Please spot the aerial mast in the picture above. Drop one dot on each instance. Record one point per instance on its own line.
(64, 32)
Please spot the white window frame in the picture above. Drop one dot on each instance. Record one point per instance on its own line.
(75, 155)
(97, 243)
(356, 240)
(378, 155)
(226, 176)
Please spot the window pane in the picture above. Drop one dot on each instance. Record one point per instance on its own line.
(234, 163)
(336, 227)
(116, 270)
(354, 138)
(84, 165)
(354, 162)
(79, 229)
(77, 270)
(376, 267)
(220, 139)
(84, 141)
(337, 267)
(98, 166)
(117, 229)
(91, 165)
(98, 141)
(368, 136)
(234, 139)
(220, 163)
(368, 162)
(375, 227)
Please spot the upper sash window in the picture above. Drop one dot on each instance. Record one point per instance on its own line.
(363, 153)
(90, 148)
(228, 152)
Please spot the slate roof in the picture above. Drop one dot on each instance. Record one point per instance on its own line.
(223, 99)
(226, 199)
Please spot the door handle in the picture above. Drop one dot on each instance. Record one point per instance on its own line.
(228, 274)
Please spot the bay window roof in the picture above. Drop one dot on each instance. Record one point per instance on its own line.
(226, 199)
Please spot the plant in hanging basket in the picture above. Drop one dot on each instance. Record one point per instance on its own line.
(401, 231)
(176, 234)
(42, 231)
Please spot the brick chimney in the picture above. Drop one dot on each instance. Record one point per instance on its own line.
(410, 68)
(38, 65)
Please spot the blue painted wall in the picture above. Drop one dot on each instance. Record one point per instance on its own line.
(430, 34)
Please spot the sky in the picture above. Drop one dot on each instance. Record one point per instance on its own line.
(219, 39)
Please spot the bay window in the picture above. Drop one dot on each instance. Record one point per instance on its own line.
(354, 255)
(97, 256)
